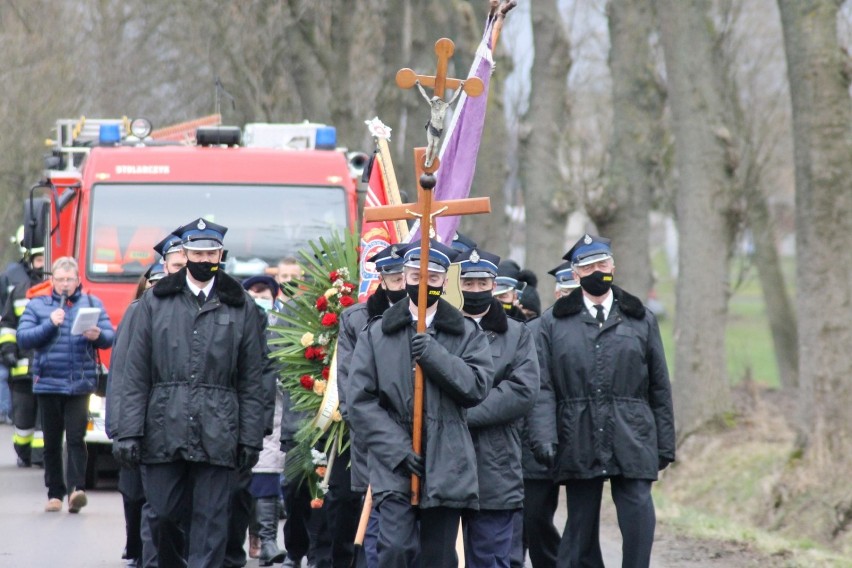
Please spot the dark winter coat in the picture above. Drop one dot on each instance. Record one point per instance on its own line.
(14, 284)
(611, 385)
(457, 375)
(117, 361)
(63, 363)
(193, 378)
(495, 424)
(538, 425)
(353, 321)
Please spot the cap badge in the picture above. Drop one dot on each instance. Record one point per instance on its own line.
(474, 256)
(394, 252)
(201, 225)
(587, 239)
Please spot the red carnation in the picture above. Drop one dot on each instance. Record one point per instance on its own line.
(333, 275)
(311, 352)
(346, 301)
(322, 303)
(329, 320)
(307, 382)
(347, 288)
(325, 372)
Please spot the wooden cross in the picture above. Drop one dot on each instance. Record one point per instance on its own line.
(407, 78)
(425, 210)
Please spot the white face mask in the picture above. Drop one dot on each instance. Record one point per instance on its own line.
(264, 303)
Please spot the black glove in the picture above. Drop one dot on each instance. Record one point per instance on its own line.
(419, 344)
(247, 457)
(127, 451)
(545, 455)
(414, 464)
(10, 359)
(663, 463)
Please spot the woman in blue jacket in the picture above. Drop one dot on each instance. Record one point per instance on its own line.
(64, 375)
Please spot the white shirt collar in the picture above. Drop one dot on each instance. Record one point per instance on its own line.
(429, 316)
(607, 305)
(195, 289)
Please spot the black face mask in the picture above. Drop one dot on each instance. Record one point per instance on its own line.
(395, 296)
(433, 293)
(597, 283)
(202, 271)
(476, 303)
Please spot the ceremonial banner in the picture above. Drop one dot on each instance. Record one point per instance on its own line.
(461, 142)
(374, 235)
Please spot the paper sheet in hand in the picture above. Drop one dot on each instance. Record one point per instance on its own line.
(87, 318)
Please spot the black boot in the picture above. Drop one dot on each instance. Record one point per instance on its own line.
(266, 511)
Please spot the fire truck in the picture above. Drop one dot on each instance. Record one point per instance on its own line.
(113, 188)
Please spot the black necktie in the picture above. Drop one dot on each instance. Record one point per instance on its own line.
(599, 316)
(201, 298)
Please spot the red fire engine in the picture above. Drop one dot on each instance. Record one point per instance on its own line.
(113, 189)
(112, 192)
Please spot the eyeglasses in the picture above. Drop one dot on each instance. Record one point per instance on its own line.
(65, 280)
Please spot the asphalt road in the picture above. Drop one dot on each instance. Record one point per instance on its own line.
(31, 538)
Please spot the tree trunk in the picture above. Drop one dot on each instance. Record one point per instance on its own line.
(822, 150)
(547, 201)
(621, 212)
(701, 390)
(779, 311)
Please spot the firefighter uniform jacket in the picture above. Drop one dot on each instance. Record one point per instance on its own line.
(192, 379)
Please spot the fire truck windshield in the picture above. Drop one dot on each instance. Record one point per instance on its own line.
(265, 223)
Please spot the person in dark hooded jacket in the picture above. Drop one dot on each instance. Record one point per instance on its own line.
(600, 348)
(495, 424)
(456, 362)
(194, 396)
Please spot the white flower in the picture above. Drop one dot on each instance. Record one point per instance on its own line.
(330, 292)
(318, 457)
(307, 339)
(343, 273)
(323, 339)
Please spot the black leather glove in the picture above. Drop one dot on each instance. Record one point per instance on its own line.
(10, 359)
(663, 463)
(247, 457)
(545, 455)
(414, 464)
(419, 344)
(127, 451)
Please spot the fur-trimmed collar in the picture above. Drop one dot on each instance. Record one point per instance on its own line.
(573, 304)
(229, 290)
(377, 303)
(495, 319)
(447, 319)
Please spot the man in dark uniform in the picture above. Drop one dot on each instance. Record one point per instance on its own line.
(14, 284)
(506, 290)
(348, 486)
(456, 362)
(600, 348)
(194, 406)
(535, 530)
(495, 423)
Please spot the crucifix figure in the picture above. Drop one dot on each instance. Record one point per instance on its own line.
(425, 210)
(407, 78)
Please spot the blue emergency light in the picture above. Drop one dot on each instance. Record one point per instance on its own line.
(326, 138)
(109, 134)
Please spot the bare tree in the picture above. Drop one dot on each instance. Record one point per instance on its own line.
(547, 201)
(819, 76)
(705, 158)
(621, 210)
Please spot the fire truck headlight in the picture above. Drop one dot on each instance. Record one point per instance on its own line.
(140, 128)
